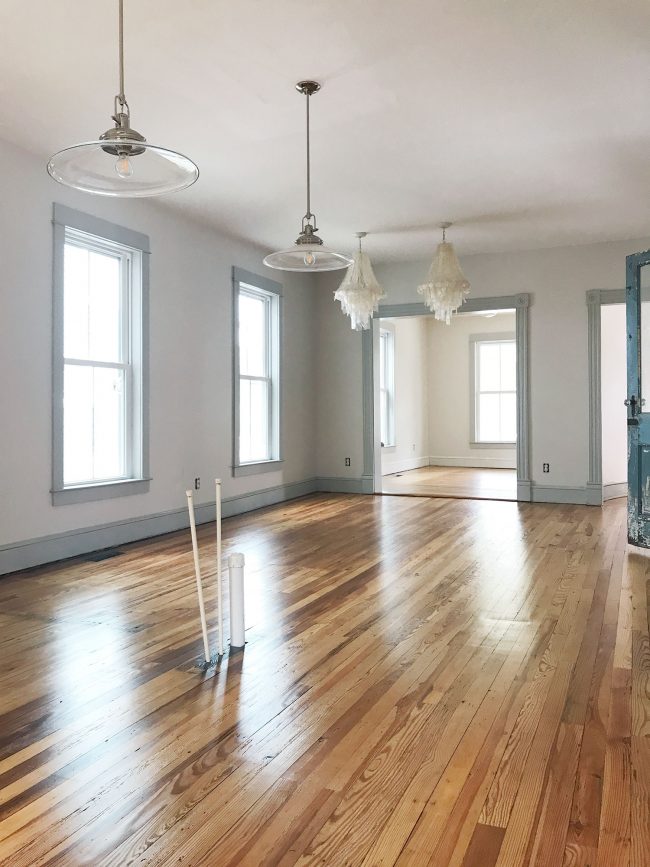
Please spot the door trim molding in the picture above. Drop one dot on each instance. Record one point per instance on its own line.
(595, 299)
(520, 303)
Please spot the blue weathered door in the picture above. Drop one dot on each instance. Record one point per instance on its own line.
(638, 389)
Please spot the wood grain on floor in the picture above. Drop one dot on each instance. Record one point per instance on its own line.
(426, 682)
(460, 482)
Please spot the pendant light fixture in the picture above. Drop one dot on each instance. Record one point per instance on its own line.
(121, 162)
(308, 253)
(360, 292)
(447, 287)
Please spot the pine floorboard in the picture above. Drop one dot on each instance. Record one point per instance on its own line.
(425, 682)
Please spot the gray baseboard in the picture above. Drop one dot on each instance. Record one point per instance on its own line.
(342, 485)
(60, 546)
(612, 491)
(73, 543)
(558, 494)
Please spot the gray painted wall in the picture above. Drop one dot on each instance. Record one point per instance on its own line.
(190, 363)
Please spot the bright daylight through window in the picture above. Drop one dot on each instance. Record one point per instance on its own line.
(495, 391)
(99, 400)
(257, 385)
(387, 386)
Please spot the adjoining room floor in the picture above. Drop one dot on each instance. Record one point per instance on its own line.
(426, 682)
(482, 484)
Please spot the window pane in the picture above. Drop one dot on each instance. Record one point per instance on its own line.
(508, 366)
(384, 416)
(92, 305)
(489, 417)
(104, 290)
(94, 424)
(489, 367)
(253, 421)
(252, 335)
(508, 418)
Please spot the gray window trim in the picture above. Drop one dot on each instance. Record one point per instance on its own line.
(496, 337)
(65, 217)
(240, 275)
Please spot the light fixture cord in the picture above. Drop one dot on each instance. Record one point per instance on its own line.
(121, 97)
(444, 235)
(309, 214)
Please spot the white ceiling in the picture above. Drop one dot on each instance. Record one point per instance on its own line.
(526, 122)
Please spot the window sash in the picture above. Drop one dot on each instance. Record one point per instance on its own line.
(480, 392)
(269, 375)
(387, 387)
(93, 244)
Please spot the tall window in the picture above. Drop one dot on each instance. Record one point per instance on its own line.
(257, 385)
(495, 390)
(387, 386)
(99, 418)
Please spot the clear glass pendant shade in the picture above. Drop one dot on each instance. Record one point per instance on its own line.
(360, 292)
(150, 172)
(307, 257)
(121, 162)
(446, 287)
(309, 253)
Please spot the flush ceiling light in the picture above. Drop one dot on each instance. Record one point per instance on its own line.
(121, 162)
(360, 292)
(308, 253)
(447, 287)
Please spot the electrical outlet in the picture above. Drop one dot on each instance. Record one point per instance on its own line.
(197, 483)
(347, 462)
(546, 468)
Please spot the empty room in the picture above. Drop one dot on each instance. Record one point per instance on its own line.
(325, 451)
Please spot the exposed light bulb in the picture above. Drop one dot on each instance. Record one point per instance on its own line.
(123, 167)
(309, 258)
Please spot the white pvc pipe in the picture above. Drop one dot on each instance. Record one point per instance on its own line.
(237, 617)
(220, 649)
(197, 572)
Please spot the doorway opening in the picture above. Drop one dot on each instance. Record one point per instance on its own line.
(613, 388)
(448, 405)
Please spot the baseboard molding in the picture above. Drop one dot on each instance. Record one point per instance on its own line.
(475, 462)
(73, 543)
(614, 490)
(342, 485)
(403, 465)
(558, 494)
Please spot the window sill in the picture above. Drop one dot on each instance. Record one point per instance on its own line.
(511, 445)
(254, 469)
(101, 491)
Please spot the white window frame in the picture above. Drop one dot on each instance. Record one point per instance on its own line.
(477, 340)
(387, 335)
(247, 283)
(90, 232)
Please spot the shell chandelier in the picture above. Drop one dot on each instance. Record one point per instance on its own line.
(446, 287)
(360, 292)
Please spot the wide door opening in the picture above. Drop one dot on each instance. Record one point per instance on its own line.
(448, 405)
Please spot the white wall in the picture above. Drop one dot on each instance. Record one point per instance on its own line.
(557, 279)
(613, 383)
(191, 345)
(449, 391)
(411, 449)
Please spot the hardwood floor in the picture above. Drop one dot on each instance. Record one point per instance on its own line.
(426, 682)
(461, 482)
